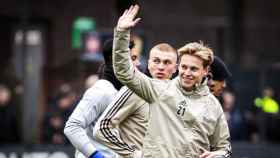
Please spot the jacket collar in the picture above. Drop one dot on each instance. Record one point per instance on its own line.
(200, 89)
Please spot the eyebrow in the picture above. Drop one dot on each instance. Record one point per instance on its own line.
(161, 58)
(190, 66)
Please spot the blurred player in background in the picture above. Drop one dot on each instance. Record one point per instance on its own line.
(217, 76)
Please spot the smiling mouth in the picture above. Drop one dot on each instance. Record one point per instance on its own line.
(187, 79)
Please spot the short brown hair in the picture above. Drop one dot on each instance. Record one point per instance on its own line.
(198, 50)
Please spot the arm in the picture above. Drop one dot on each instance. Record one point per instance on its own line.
(220, 140)
(123, 67)
(85, 114)
(107, 131)
(221, 137)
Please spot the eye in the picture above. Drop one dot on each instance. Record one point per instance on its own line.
(184, 67)
(166, 62)
(156, 61)
(194, 68)
(133, 57)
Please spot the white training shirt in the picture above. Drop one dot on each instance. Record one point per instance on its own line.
(79, 127)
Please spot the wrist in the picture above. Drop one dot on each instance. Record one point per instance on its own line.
(97, 154)
(121, 29)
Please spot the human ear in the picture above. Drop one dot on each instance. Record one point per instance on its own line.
(206, 71)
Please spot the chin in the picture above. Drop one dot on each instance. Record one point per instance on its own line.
(187, 87)
(160, 77)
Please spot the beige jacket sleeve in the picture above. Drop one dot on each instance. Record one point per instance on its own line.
(125, 104)
(220, 141)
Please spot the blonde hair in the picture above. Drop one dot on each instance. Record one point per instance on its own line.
(198, 50)
(164, 47)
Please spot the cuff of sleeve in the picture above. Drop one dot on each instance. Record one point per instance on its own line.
(89, 149)
(220, 154)
(96, 154)
(122, 31)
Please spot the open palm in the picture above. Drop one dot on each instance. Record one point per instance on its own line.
(127, 20)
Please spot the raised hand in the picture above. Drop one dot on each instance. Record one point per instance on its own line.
(127, 20)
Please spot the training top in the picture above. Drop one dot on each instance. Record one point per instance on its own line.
(123, 125)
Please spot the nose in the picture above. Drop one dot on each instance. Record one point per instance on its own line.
(161, 66)
(187, 72)
(136, 63)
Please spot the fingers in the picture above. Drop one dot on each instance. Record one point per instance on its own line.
(125, 12)
(133, 10)
(127, 19)
(136, 21)
(130, 9)
(205, 154)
